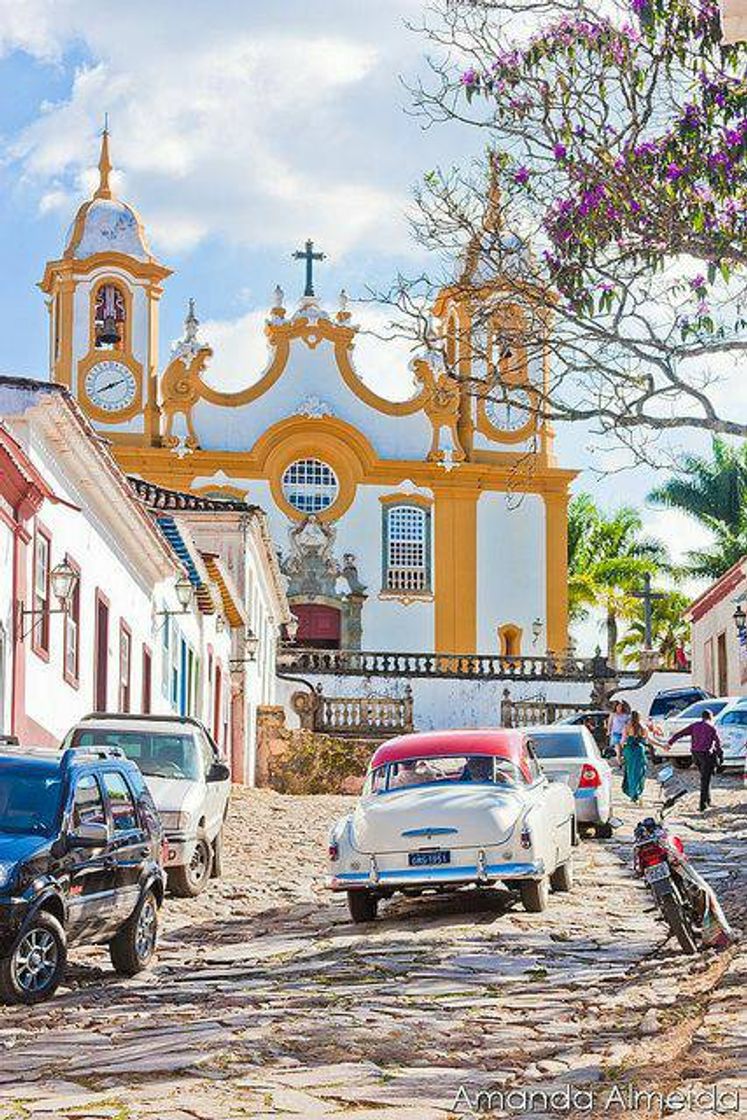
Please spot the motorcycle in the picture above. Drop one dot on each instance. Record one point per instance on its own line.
(687, 903)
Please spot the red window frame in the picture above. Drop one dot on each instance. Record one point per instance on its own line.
(125, 666)
(146, 698)
(72, 616)
(40, 605)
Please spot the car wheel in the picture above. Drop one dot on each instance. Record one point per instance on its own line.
(682, 763)
(363, 906)
(217, 868)
(604, 831)
(535, 894)
(134, 946)
(191, 879)
(36, 964)
(561, 879)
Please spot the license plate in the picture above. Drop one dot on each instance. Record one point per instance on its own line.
(657, 872)
(428, 859)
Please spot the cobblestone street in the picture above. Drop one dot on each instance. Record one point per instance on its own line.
(267, 1002)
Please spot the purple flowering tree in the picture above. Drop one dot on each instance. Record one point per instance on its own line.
(616, 200)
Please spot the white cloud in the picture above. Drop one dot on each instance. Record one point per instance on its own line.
(230, 126)
(241, 352)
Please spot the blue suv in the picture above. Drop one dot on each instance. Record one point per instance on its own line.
(81, 859)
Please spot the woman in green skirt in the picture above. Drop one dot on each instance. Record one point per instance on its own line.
(635, 740)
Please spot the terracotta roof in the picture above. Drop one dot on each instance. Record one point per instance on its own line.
(232, 607)
(160, 497)
(717, 591)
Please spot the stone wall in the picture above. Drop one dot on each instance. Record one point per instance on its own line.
(300, 761)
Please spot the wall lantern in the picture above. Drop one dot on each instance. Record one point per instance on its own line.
(740, 620)
(62, 581)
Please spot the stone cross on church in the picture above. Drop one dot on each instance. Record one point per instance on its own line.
(309, 256)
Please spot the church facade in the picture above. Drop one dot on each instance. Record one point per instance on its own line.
(436, 523)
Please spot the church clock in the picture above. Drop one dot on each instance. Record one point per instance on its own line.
(111, 386)
(512, 413)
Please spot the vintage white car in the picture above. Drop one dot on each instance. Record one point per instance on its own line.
(451, 809)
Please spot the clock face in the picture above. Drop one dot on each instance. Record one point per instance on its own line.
(511, 414)
(111, 386)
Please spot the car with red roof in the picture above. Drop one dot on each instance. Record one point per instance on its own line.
(448, 810)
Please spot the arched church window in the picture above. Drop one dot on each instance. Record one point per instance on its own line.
(407, 549)
(310, 486)
(110, 313)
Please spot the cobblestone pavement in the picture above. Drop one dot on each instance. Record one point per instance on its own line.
(267, 1002)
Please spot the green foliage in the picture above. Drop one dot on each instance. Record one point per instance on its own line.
(713, 491)
(314, 763)
(669, 630)
(608, 556)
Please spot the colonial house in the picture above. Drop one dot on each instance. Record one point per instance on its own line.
(232, 541)
(104, 603)
(718, 620)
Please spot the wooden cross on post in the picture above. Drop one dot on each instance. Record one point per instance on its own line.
(309, 256)
(648, 596)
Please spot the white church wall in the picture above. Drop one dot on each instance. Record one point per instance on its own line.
(311, 374)
(510, 568)
(440, 703)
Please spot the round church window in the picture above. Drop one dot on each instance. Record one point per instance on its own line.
(310, 486)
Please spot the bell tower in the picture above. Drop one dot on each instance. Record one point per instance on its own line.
(102, 298)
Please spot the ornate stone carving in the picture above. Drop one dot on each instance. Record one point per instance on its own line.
(314, 576)
(441, 405)
(314, 407)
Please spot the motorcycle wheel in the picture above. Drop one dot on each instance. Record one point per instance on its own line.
(671, 908)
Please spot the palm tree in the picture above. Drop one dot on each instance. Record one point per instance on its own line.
(713, 491)
(670, 632)
(608, 556)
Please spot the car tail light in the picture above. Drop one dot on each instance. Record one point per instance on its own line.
(677, 843)
(589, 777)
(334, 851)
(651, 854)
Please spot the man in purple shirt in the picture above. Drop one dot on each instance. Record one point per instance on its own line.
(705, 747)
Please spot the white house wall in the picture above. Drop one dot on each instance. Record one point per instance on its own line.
(510, 568)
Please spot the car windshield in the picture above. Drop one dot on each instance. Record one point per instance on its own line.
(735, 718)
(476, 769)
(30, 796)
(695, 711)
(672, 705)
(557, 744)
(158, 754)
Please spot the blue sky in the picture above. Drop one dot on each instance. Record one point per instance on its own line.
(238, 130)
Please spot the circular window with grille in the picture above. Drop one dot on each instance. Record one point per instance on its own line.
(309, 485)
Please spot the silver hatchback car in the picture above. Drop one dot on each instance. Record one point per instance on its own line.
(570, 754)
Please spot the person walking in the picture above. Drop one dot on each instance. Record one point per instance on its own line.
(616, 724)
(705, 747)
(635, 740)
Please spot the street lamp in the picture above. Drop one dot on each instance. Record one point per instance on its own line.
(63, 579)
(740, 620)
(251, 644)
(183, 589)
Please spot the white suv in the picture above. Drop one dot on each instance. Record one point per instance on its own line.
(187, 780)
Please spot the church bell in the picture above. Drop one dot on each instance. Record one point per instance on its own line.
(107, 334)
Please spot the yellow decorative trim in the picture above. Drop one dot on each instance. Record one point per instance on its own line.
(86, 364)
(404, 498)
(442, 396)
(332, 447)
(76, 269)
(219, 492)
(509, 639)
(455, 562)
(182, 386)
(556, 551)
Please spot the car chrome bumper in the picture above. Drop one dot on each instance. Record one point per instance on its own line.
(180, 849)
(457, 875)
(591, 808)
